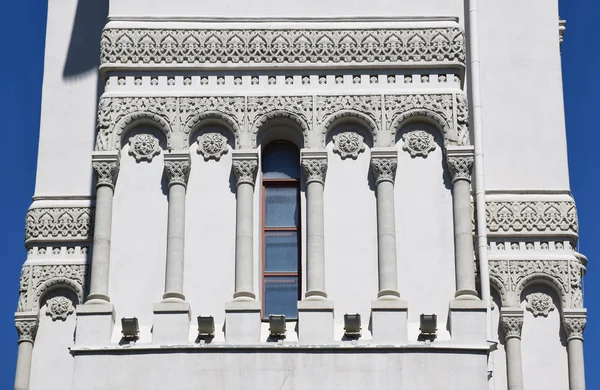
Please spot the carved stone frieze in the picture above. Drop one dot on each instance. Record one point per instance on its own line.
(203, 47)
(532, 216)
(539, 304)
(418, 143)
(37, 280)
(59, 308)
(348, 144)
(59, 224)
(212, 146)
(143, 147)
(115, 114)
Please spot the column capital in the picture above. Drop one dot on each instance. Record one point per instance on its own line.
(314, 165)
(574, 321)
(384, 162)
(106, 168)
(177, 167)
(26, 324)
(245, 165)
(511, 320)
(460, 162)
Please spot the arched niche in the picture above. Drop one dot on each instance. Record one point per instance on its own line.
(281, 129)
(143, 142)
(212, 141)
(139, 124)
(212, 121)
(349, 138)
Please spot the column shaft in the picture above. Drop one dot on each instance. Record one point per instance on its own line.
(386, 239)
(244, 241)
(463, 238)
(514, 365)
(175, 242)
(102, 236)
(23, 371)
(576, 365)
(315, 240)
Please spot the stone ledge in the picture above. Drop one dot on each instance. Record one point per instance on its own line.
(467, 305)
(389, 305)
(315, 305)
(171, 307)
(95, 309)
(249, 305)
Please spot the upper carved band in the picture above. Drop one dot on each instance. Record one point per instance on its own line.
(276, 47)
(59, 223)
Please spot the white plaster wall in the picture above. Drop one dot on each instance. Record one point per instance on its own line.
(287, 8)
(350, 239)
(543, 346)
(139, 236)
(523, 113)
(424, 233)
(52, 364)
(354, 369)
(210, 239)
(69, 97)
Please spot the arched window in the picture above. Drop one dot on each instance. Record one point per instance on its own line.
(281, 229)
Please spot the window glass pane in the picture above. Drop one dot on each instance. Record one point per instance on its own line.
(281, 251)
(281, 296)
(281, 206)
(281, 160)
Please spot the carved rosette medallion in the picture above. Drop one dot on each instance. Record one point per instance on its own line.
(143, 147)
(314, 169)
(384, 168)
(59, 308)
(418, 143)
(26, 329)
(574, 327)
(460, 168)
(106, 172)
(540, 304)
(177, 171)
(348, 144)
(245, 171)
(512, 326)
(212, 146)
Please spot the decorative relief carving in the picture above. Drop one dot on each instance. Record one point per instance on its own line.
(37, 280)
(59, 307)
(245, 170)
(115, 114)
(59, 223)
(212, 145)
(539, 304)
(281, 46)
(143, 147)
(418, 143)
(460, 168)
(177, 171)
(384, 168)
(367, 108)
(260, 109)
(106, 172)
(26, 329)
(348, 144)
(574, 327)
(314, 169)
(532, 216)
(511, 325)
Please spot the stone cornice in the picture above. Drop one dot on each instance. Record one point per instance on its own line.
(265, 48)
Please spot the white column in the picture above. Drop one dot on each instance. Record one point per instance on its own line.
(177, 166)
(314, 165)
(26, 324)
(383, 164)
(574, 321)
(106, 168)
(511, 320)
(242, 315)
(460, 163)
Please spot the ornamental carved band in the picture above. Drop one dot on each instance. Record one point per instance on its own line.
(245, 171)
(512, 326)
(202, 47)
(59, 224)
(574, 327)
(315, 169)
(460, 168)
(106, 172)
(384, 168)
(26, 329)
(532, 216)
(177, 171)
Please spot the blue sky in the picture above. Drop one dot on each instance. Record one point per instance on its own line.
(23, 29)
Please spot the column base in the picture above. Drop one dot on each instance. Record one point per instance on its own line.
(242, 321)
(315, 321)
(389, 319)
(467, 321)
(466, 294)
(95, 323)
(171, 322)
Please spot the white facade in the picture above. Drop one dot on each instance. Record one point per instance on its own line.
(433, 150)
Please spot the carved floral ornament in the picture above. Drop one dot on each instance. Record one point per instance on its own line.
(540, 304)
(315, 169)
(348, 144)
(384, 168)
(245, 116)
(59, 308)
(511, 325)
(245, 170)
(532, 216)
(26, 329)
(143, 147)
(418, 143)
(200, 47)
(59, 223)
(212, 146)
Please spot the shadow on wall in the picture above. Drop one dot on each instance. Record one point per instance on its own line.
(84, 47)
